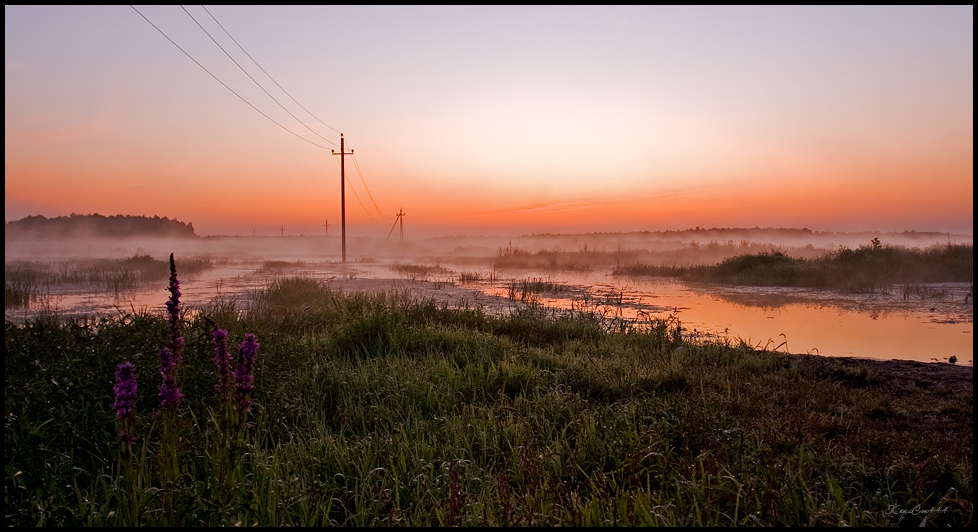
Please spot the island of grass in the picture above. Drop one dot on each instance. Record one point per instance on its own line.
(867, 269)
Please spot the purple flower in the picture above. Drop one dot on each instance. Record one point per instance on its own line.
(126, 436)
(125, 400)
(244, 374)
(170, 394)
(173, 312)
(222, 359)
(125, 390)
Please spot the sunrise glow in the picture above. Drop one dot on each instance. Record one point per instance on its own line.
(494, 119)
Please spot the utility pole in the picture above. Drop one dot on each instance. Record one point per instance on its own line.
(343, 153)
(398, 218)
(326, 226)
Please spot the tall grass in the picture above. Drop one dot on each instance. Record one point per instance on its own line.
(25, 281)
(417, 270)
(583, 260)
(867, 269)
(279, 266)
(586, 259)
(376, 410)
(526, 289)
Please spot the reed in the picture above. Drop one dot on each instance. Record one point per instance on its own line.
(526, 289)
(470, 277)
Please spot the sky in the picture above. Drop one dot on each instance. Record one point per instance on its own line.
(493, 120)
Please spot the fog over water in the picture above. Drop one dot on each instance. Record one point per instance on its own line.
(466, 246)
(486, 271)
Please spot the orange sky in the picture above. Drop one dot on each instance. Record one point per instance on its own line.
(495, 119)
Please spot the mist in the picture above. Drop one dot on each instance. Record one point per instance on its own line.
(624, 275)
(690, 246)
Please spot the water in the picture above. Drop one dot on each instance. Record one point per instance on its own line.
(887, 326)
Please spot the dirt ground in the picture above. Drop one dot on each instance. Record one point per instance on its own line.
(909, 374)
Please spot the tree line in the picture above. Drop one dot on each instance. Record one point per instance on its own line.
(80, 225)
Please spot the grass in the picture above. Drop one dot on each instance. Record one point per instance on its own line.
(475, 277)
(526, 289)
(26, 281)
(868, 269)
(416, 270)
(279, 266)
(587, 259)
(583, 260)
(379, 410)
(917, 290)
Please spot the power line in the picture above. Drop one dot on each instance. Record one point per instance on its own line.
(365, 187)
(249, 75)
(357, 196)
(267, 74)
(224, 84)
(356, 163)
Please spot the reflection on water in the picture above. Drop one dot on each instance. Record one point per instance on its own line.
(808, 321)
(890, 326)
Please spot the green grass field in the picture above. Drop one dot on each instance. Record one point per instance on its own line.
(384, 410)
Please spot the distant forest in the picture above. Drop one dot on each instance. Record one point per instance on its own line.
(96, 225)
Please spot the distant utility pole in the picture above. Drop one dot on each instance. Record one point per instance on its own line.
(283, 231)
(326, 225)
(343, 153)
(399, 218)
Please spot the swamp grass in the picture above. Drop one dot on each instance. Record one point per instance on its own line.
(588, 259)
(416, 271)
(874, 268)
(527, 289)
(28, 281)
(386, 410)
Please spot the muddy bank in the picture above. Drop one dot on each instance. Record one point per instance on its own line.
(937, 377)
